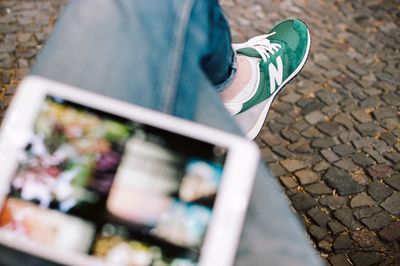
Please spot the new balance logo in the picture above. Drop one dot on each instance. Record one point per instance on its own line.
(275, 74)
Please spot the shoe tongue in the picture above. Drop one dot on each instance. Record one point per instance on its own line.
(248, 51)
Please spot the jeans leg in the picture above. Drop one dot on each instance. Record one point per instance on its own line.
(150, 53)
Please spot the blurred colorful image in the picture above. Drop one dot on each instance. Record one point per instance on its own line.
(72, 157)
(29, 222)
(119, 250)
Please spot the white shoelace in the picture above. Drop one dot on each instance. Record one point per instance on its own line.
(262, 45)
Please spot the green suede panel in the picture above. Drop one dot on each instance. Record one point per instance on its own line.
(291, 34)
(248, 52)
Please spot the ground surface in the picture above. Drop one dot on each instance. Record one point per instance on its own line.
(338, 120)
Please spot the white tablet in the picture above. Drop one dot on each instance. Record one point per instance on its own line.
(88, 180)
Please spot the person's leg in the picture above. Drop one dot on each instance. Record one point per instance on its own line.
(149, 44)
(151, 54)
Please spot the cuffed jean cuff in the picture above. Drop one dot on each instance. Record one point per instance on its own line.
(220, 87)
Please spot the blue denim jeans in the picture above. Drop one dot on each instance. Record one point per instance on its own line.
(172, 56)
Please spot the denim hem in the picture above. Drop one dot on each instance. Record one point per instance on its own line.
(221, 87)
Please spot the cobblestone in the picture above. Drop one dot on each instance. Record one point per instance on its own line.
(394, 181)
(339, 260)
(378, 171)
(307, 177)
(336, 227)
(341, 181)
(392, 203)
(343, 242)
(346, 96)
(361, 200)
(377, 220)
(365, 258)
(379, 191)
(333, 202)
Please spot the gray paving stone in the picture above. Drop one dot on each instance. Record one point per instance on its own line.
(391, 99)
(379, 171)
(301, 146)
(268, 156)
(331, 110)
(311, 133)
(318, 189)
(380, 145)
(325, 245)
(377, 221)
(291, 97)
(392, 203)
(330, 128)
(370, 129)
(343, 242)
(321, 166)
(341, 181)
(371, 102)
(361, 115)
(361, 200)
(329, 155)
(318, 216)
(375, 155)
(333, 202)
(343, 149)
(315, 117)
(361, 142)
(391, 232)
(318, 232)
(366, 212)
(276, 169)
(275, 127)
(394, 181)
(379, 191)
(389, 138)
(346, 164)
(290, 134)
(392, 156)
(365, 258)
(302, 201)
(271, 139)
(362, 159)
(336, 227)
(384, 112)
(339, 260)
(288, 181)
(390, 123)
(292, 165)
(345, 120)
(345, 216)
(307, 176)
(283, 107)
(329, 98)
(281, 150)
(309, 105)
(285, 119)
(323, 143)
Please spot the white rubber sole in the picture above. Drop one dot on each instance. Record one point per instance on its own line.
(252, 134)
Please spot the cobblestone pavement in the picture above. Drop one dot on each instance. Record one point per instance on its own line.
(332, 137)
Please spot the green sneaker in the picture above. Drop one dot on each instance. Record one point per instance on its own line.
(275, 59)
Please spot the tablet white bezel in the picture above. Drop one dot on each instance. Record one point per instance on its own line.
(233, 195)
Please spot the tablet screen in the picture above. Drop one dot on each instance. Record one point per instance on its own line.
(98, 184)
